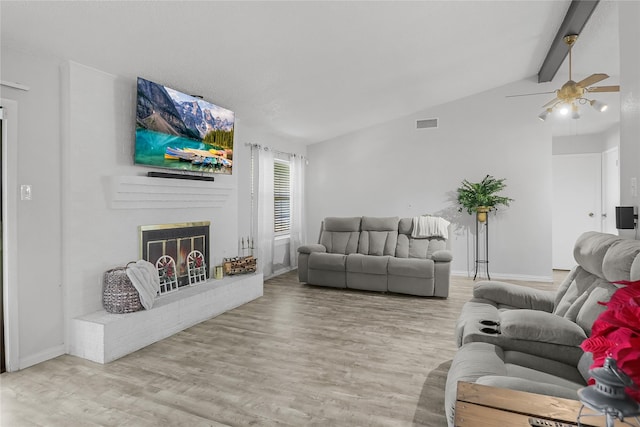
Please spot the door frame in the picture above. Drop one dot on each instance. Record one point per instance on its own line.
(10, 234)
(606, 176)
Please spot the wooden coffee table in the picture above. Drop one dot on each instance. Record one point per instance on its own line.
(483, 406)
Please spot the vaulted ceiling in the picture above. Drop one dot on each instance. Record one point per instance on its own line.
(312, 70)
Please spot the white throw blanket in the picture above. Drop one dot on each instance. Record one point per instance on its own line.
(144, 277)
(430, 226)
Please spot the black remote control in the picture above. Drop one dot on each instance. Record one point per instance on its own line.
(541, 422)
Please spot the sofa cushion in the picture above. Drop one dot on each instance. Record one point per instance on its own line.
(405, 226)
(575, 307)
(540, 326)
(584, 365)
(543, 364)
(634, 274)
(409, 247)
(340, 235)
(358, 263)
(327, 261)
(592, 307)
(508, 294)
(590, 249)
(487, 364)
(618, 260)
(564, 286)
(582, 282)
(339, 224)
(410, 267)
(379, 236)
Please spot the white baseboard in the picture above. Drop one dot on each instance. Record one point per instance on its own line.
(44, 355)
(505, 276)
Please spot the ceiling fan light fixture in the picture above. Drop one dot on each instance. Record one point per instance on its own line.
(598, 105)
(574, 112)
(573, 93)
(543, 116)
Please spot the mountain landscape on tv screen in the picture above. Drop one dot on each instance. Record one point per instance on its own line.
(181, 114)
(179, 131)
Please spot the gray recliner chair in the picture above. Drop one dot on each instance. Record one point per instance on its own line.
(519, 338)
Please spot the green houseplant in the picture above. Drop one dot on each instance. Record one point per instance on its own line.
(481, 197)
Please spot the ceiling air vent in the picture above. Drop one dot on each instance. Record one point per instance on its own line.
(427, 124)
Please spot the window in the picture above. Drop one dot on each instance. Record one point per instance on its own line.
(282, 197)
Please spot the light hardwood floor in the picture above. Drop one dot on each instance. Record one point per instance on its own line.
(300, 355)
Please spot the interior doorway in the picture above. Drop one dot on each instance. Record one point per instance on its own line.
(586, 190)
(577, 203)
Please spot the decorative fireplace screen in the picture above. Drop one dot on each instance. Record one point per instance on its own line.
(177, 241)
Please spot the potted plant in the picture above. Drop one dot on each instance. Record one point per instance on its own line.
(481, 197)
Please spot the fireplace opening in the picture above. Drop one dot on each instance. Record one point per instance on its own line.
(177, 241)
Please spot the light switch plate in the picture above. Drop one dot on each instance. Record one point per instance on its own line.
(25, 192)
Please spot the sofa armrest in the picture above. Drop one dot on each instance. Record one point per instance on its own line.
(314, 247)
(443, 255)
(514, 295)
(540, 326)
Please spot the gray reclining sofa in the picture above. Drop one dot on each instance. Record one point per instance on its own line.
(376, 254)
(525, 339)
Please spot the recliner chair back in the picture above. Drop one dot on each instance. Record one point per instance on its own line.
(340, 235)
(379, 236)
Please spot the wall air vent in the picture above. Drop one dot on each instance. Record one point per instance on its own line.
(427, 124)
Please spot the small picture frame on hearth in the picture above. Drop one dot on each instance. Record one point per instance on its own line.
(166, 267)
(197, 268)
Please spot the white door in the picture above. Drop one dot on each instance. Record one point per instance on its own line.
(610, 189)
(577, 203)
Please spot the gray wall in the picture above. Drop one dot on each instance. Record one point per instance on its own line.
(630, 105)
(593, 143)
(40, 290)
(395, 169)
(76, 134)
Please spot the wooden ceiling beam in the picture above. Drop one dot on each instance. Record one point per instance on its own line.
(574, 21)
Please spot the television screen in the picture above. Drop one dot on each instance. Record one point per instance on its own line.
(182, 132)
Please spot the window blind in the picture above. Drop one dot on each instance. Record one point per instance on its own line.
(282, 197)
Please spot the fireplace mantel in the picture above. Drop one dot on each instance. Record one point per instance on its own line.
(142, 192)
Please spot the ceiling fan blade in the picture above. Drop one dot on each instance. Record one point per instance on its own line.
(604, 89)
(530, 94)
(551, 103)
(593, 78)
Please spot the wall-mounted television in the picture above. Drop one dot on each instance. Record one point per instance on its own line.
(182, 132)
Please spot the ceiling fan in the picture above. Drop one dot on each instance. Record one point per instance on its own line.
(571, 93)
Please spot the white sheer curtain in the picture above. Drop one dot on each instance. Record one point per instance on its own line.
(262, 206)
(298, 227)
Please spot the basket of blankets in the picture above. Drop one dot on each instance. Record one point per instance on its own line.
(130, 288)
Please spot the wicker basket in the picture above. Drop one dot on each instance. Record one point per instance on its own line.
(119, 295)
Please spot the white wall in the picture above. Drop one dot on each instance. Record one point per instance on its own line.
(395, 169)
(629, 104)
(40, 309)
(99, 145)
(592, 143)
(76, 134)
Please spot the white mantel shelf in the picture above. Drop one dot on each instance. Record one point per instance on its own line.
(103, 337)
(142, 192)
